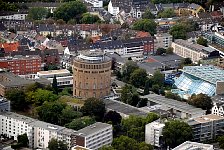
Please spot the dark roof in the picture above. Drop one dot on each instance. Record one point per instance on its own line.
(40, 4)
(203, 15)
(2, 27)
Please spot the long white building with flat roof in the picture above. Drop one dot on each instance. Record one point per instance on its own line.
(194, 146)
(40, 133)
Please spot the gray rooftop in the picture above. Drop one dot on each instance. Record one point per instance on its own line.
(13, 80)
(123, 108)
(45, 125)
(182, 106)
(18, 117)
(96, 127)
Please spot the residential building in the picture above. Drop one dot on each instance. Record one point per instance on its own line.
(208, 80)
(153, 133)
(193, 145)
(10, 81)
(21, 65)
(206, 127)
(91, 74)
(63, 76)
(10, 46)
(20, 15)
(177, 108)
(167, 22)
(218, 105)
(95, 135)
(39, 133)
(195, 52)
(95, 3)
(195, 9)
(4, 104)
(163, 40)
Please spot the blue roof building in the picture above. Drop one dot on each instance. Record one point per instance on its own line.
(199, 79)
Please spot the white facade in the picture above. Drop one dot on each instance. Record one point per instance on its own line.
(113, 10)
(194, 145)
(217, 109)
(14, 16)
(95, 3)
(63, 76)
(163, 40)
(153, 132)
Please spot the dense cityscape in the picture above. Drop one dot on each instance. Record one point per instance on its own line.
(111, 74)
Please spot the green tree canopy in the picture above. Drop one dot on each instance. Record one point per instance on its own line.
(148, 84)
(128, 68)
(94, 107)
(129, 95)
(55, 85)
(167, 13)
(158, 78)
(160, 51)
(112, 116)
(147, 25)
(51, 111)
(37, 13)
(88, 18)
(201, 100)
(70, 10)
(169, 50)
(17, 99)
(68, 114)
(176, 132)
(148, 15)
(221, 141)
(22, 141)
(138, 77)
(80, 123)
(171, 95)
(202, 41)
(55, 144)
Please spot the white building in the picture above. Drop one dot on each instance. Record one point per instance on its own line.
(14, 16)
(218, 105)
(163, 40)
(153, 133)
(39, 133)
(113, 9)
(95, 3)
(63, 76)
(194, 145)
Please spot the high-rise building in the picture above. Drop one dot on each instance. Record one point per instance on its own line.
(91, 75)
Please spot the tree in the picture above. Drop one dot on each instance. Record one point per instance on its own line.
(80, 123)
(68, 114)
(17, 99)
(138, 77)
(66, 92)
(148, 84)
(54, 144)
(107, 148)
(51, 112)
(156, 88)
(124, 143)
(70, 10)
(167, 13)
(127, 69)
(186, 61)
(94, 108)
(129, 95)
(143, 102)
(112, 116)
(176, 132)
(158, 78)
(178, 31)
(144, 146)
(88, 18)
(147, 25)
(55, 85)
(60, 22)
(221, 141)
(202, 41)
(148, 15)
(22, 141)
(160, 51)
(202, 101)
(37, 13)
(171, 95)
(169, 50)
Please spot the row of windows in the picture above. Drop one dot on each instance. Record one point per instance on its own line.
(100, 66)
(93, 71)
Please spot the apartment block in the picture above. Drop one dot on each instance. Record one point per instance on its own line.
(153, 133)
(193, 51)
(40, 133)
(163, 40)
(63, 76)
(21, 65)
(206, 127)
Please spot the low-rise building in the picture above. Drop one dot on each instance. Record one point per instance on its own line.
(21, 65)
(39, 133)
(194, 145)
(218, 105)
(63, 76)
(153, 133)
(193, 51)
(206, 127)
(177, 108)
(20, 15)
